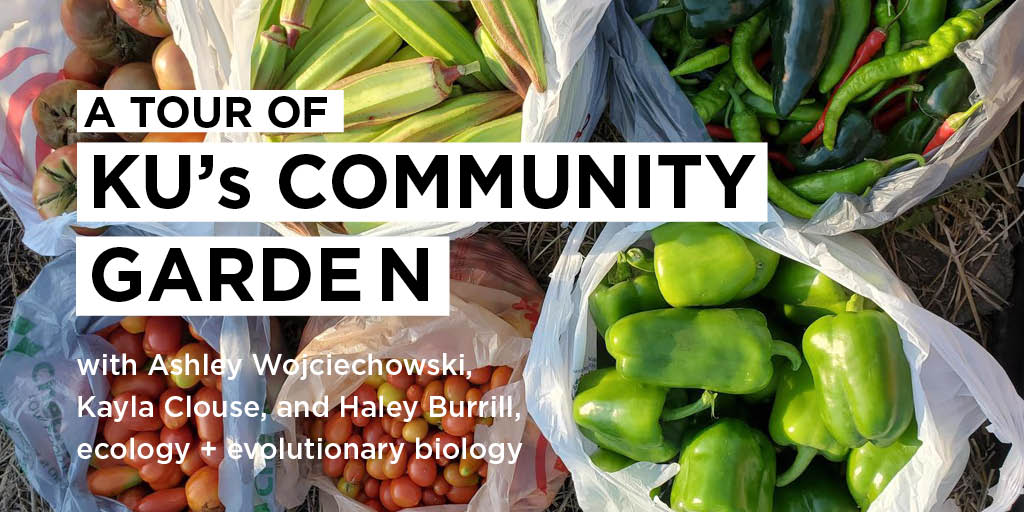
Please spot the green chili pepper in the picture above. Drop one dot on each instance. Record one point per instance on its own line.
(891, 96)
(713, 99)
(861, 375)
(885, 14)
(920, 20)
(854, 17)
(628, 288)
(708, 59)
(820, 186)
(796, 421)
(793, 131)
(946, 89)
(725, 466)
(803, 32)
(746, 128)
(706, 18)
(870, 468)
(624, 416)
(808, 112)
(688, 45)
(743, 49)
(910, 135)
(858, 139)
(665, 36)
(721, 350)
(771, 126)
(940, 46)
(818, 490)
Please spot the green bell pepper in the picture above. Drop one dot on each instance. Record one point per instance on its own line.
(630, 418)
(723, 350)
(870, 468)
(609, 461)
(816, 491)
(725, 466)
(708, 17)
(861, 375)
(629, 287)
(707, 264)
(803, 33)
(804, 294)
(796, 421)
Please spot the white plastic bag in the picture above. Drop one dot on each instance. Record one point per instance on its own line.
(218, 35)
(40, 383)
(957, 384)
(33, 46)
(647, 106)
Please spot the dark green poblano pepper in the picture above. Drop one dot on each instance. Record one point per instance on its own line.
(726, 466)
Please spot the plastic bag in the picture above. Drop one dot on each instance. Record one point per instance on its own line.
(218, 38)
(40, 383)
(486, 323)
(647, 106)
(957, 384)
(33, 47)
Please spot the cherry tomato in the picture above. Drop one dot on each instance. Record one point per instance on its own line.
(355, 471)
(128, 344)
(395, 461)
(213, 455)
(193, 460)
(435, 388)
(333, 467)
(474, 395)
(401, 380)
(480, 375)
(431, 498)
(374, 380)
(385, 496)
(364, 394)
(441, 486)
(455, 387)
(461, 495)
(415, 430)
(188, 376)
(405, 493)
(177, 436)
(414, 392)
(374, 432)
(375, 505)
(441, 442)
(388, 393)
(337, 429)
(500, 377)
(209, 427)
(173, 413)
(114, 432)
(138, 422)
(469, 465)
(371, 487)
(148, 439)
(163, 335)
(457, 425)
(157, 473)
(375, 468)
(354, 443)
(167, 500)
(423, 379)
(423, 472)
(134, 324)
(385, 424)
(396, 428)
(452, 476)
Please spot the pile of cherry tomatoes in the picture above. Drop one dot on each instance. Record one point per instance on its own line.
(146, 485)
(407, 480)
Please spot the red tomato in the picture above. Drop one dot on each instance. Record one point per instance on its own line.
(431, 498)
(440, 441)
(112, 481)
(209, 427)
(456, 425)
(163, 335)
(386, 498)
(167, 500)
(474, 395)
(155, 472)
(337, 429)
(177, 436)
(500, 377)
(143, 383)
(371, 487)
(201, 490)
(423, 379)
(395, 461)
(414, 392)
(401, 380)
(173, 413)
(423, 472)
(453, 477)
(480, 375)
(114, 432)
(171, 68)
(193, 460)
(132, 497)
(375, 505)
(333, 468)
(375, 468)
(461, 495)
(316, 429)
(355, 471)
(405, 493)
(150, 439)
(213, 456)
(128, 344)
(134, 324)
(455, 387)
(374, 432)
(441, 486)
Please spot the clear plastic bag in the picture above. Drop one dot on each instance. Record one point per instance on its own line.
(40, 383)
(957, 384)
(647, 106)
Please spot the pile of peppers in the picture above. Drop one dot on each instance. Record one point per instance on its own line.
(844, 91)
(721, 355)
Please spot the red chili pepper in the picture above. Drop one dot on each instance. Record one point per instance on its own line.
(886, 119)
(762, 59)
(775, 156)
(719, 132)
(952, 123)
(867, 50)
